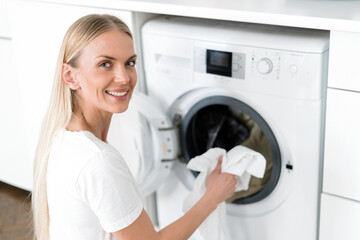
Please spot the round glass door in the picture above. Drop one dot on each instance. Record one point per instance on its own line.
(225, 122)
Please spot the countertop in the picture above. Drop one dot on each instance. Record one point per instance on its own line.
(317, 14)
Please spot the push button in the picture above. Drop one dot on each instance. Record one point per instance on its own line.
(293, 69)
(235, 67)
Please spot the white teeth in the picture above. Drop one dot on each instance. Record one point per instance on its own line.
(118, 94)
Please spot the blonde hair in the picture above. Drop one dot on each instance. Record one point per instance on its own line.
(61, 107)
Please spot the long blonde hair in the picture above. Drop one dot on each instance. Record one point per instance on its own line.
(61, 107)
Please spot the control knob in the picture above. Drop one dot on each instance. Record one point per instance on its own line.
(265, 66)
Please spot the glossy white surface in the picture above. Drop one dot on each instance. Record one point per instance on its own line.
(235, 33)
(344, 60)
(318, 14)
(4, 20)
(340, 218)
(14, 169)
(281, 99)
(342, 151)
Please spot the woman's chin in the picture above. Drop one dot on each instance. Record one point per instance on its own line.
(120, 110)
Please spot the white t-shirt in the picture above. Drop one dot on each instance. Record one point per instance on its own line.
(91, 191)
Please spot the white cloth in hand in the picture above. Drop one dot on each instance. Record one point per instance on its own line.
(240, 161)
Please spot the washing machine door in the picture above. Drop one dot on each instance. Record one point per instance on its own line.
(216, 117)
(144, 136)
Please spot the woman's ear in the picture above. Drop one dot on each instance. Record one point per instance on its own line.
(68, 76)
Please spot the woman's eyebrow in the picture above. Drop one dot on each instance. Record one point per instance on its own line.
(112, 58)
(133, 56)
(105, 56)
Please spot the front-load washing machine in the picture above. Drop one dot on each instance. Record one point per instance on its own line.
(221, 84)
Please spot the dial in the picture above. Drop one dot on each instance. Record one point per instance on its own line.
(265, 66)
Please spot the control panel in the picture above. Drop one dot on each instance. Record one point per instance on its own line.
(265, 64)
(221, 63)
(262, 63)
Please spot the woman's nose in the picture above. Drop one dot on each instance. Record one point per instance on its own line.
(121, 75)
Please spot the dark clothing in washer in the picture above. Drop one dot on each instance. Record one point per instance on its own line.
(216, 126)
(257, 141)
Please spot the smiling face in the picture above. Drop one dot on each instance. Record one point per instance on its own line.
(105, 76)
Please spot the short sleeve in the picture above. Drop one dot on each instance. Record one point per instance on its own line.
(108, 188)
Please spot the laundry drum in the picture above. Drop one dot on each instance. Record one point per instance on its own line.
(226, 122)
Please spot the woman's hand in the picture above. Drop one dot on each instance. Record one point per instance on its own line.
(220, 186)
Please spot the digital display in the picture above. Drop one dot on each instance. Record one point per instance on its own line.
(218, 62)
(220, 59)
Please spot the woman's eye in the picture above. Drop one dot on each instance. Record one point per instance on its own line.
(105, 64)
(131, 63)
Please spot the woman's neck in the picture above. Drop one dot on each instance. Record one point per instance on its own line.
(96, 124)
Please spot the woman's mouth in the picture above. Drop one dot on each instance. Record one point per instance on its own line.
(117, 94)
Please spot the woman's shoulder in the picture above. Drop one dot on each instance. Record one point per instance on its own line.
(85, 140)
(81, 146)
(76, 151)
(98, 157)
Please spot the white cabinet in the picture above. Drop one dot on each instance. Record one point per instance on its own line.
(339, 218)
(12, 132)
(4, 20)
(342, 144)
(36, 38)
(340, 203)
(344, 60)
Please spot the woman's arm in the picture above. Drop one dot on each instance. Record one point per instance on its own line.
(219, 187)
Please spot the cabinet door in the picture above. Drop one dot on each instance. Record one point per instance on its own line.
(37, 36)
(12, 133)
(344, 60)
(340, 218)
(342, 144)
(4, 21)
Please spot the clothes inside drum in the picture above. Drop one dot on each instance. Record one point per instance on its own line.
(224, 127)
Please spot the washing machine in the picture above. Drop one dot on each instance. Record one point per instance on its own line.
(221, 84)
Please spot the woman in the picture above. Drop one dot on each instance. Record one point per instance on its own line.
(82, 186)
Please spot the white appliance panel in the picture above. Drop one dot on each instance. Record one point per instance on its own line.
(290, 70)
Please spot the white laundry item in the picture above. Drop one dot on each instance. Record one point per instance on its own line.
(240, 161)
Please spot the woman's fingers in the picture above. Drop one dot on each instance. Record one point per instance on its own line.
(218, 166)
